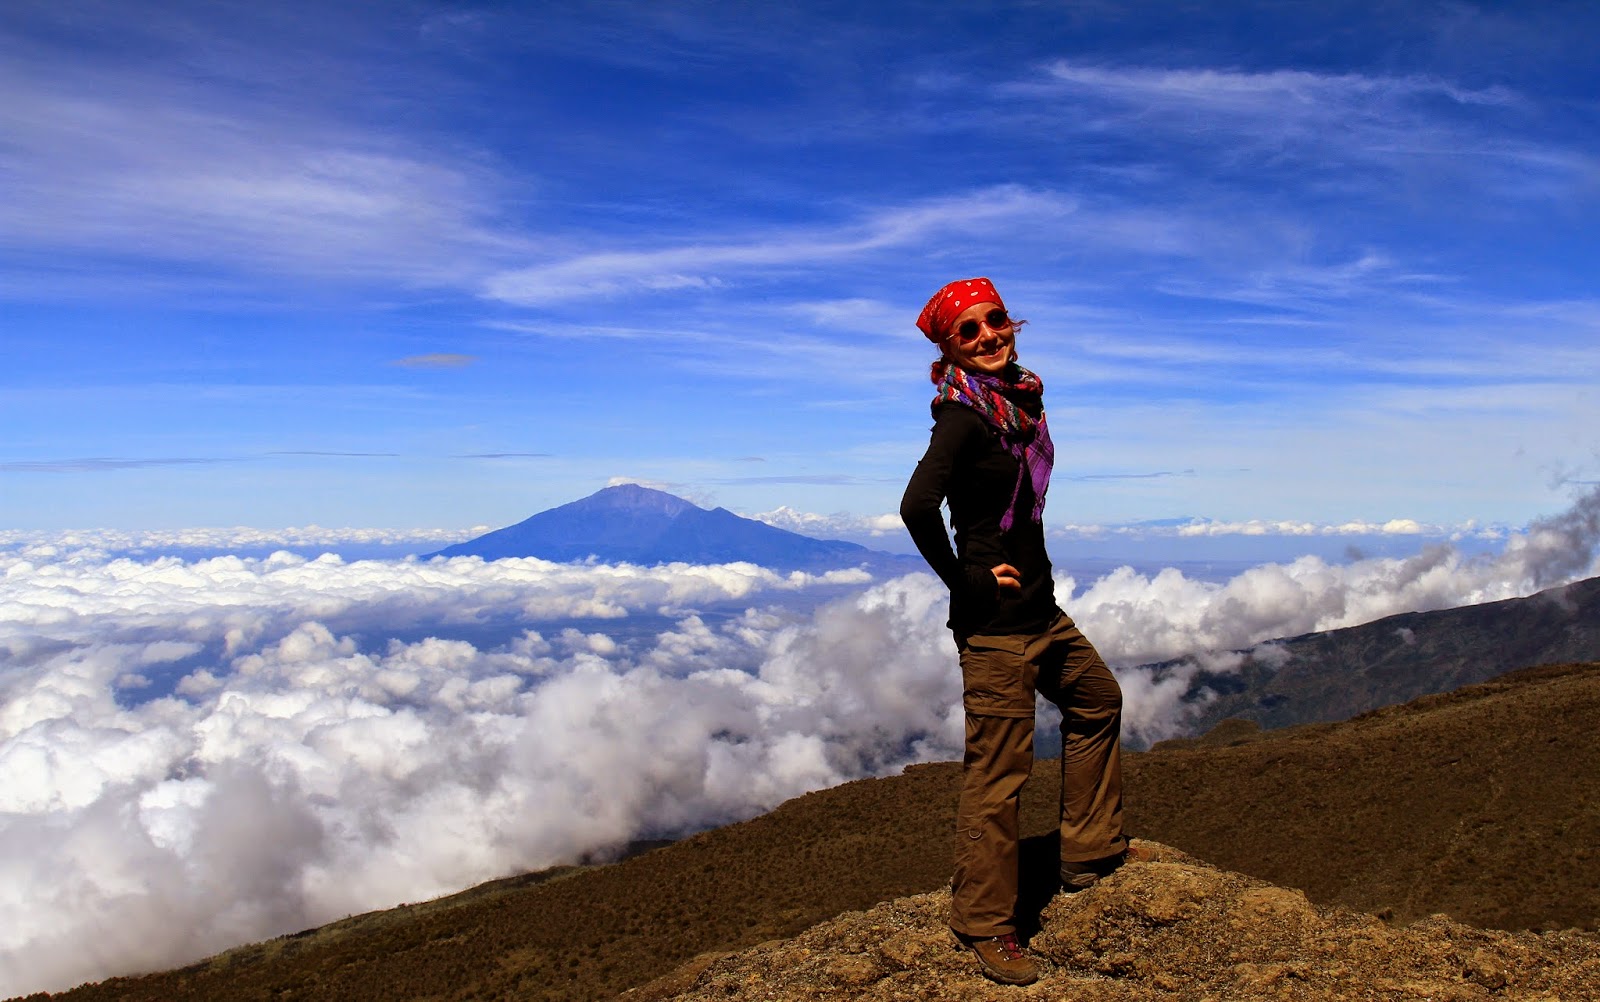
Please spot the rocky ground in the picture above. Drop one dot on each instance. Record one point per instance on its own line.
(1165, 927)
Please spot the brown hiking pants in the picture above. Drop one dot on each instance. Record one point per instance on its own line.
(1000, 675)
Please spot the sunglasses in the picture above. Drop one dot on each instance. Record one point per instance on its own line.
(995, 320)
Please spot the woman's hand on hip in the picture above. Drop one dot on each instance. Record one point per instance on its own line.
(1005, 576)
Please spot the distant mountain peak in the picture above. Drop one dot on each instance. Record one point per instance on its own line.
(636, 497)
(632, 523)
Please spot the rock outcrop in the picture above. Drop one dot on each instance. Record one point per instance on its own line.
(1165, 927)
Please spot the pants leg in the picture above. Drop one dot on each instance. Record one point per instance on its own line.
(1073, 676)
(998, 760)
(998, 686)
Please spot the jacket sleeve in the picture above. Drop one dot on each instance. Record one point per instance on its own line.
(926, 491)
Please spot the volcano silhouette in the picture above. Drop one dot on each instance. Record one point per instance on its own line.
(632, 524)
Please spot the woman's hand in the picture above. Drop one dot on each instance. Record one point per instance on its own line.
(1005, 576)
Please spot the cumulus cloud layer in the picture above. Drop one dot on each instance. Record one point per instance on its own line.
(293, 774)
(1136, 618)
(200, 753)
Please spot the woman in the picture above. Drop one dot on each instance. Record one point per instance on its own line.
(990, 456)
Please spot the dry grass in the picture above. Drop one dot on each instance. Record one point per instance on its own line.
(1483, 803)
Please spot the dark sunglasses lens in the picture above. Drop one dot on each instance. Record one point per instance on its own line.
(997, 320)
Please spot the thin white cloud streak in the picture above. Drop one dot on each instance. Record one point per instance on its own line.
(102, 541)
(299, 774)
(1282, 527)
(858, 315)
(1485, 349)
(1273, 94)
(1494, 140)
(1383, 120)
(846, 524)
(705, 265)
(436, 360)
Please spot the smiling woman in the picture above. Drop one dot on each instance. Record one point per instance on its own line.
(990, 455)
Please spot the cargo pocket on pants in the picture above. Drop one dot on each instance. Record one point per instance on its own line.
(996, 679)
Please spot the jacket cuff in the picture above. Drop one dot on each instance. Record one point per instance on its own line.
(981, 586)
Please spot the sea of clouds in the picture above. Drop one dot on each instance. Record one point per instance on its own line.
(199, 753)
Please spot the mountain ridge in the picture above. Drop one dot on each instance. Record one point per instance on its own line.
(1336, 674)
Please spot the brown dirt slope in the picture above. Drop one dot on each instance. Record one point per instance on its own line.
(1167, 927)
(1484, 803)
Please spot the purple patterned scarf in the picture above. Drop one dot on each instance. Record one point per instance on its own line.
(1013, 403)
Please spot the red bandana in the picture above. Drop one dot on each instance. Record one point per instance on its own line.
(949, 303)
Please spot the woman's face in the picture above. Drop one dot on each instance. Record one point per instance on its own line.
(990, 351)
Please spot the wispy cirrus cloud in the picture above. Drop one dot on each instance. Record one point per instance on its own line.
(795, 478)
(101, 541)
(1154, 475)
(101, 464)
(1320, 121)
(1269, 93)
(1487, 341)
(123, 163)
(337, 455)
(710, 264)
(105, 464)
(1231, 234)
(436, 360)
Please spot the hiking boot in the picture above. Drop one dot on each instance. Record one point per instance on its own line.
(1075, 876)
(1001, 959)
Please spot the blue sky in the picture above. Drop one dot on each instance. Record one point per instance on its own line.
(450, 264)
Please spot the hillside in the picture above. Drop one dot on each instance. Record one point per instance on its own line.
(1337, 674)
(1483, 803)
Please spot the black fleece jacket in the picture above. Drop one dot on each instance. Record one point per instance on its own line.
(967, 464)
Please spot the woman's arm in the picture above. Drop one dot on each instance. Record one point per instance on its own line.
(919, 509)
